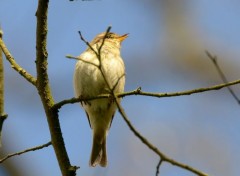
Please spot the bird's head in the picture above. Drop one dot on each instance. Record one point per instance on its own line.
(111, 38)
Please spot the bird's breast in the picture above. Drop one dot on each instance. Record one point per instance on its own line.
(88, 78)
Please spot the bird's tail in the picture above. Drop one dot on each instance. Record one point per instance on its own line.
(99, 153)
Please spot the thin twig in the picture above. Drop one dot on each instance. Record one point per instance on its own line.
(102, 69)
(103, 41)
(222, 75)
(87, 43)
(25, 151)
(158, 167)
(78, 58)
(98, 53)
(100, 58)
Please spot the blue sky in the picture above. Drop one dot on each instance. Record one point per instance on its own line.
(164, 53)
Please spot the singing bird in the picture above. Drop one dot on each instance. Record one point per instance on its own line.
(89, 81)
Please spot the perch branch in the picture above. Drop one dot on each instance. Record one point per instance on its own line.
(77, 100)
(174, 94)
(138, 91)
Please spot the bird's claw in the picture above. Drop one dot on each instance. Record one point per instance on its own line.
(83, 101)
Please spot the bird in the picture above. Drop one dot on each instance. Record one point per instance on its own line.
(94, 76)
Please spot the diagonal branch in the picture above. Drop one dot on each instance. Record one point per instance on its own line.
(25, 151)
(98, 53)
(221, 74)
(100, 48)
(14, 64)
(87, 43)
(152, 147)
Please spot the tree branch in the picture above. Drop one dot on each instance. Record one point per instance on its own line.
(25, 151)
(87, 43)
(3, 115)
(138, 91)
(45, 91)
(174, 94)
(153, 148)
(100, 48)
(77, 100)
(222, 75)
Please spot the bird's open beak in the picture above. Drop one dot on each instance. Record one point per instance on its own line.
(123, 37)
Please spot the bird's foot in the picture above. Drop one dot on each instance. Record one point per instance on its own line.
(83, 100)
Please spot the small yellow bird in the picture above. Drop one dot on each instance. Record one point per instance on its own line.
(89, 82)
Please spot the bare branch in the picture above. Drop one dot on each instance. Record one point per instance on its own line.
(138, 91)
(78, 58)
(77, 100)
(87, 43)
(174, 94)
(100, 48)
(25, 151)
(153, 148)
(158, 167)
(100, 59)
(221, 74)
(44, 91)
